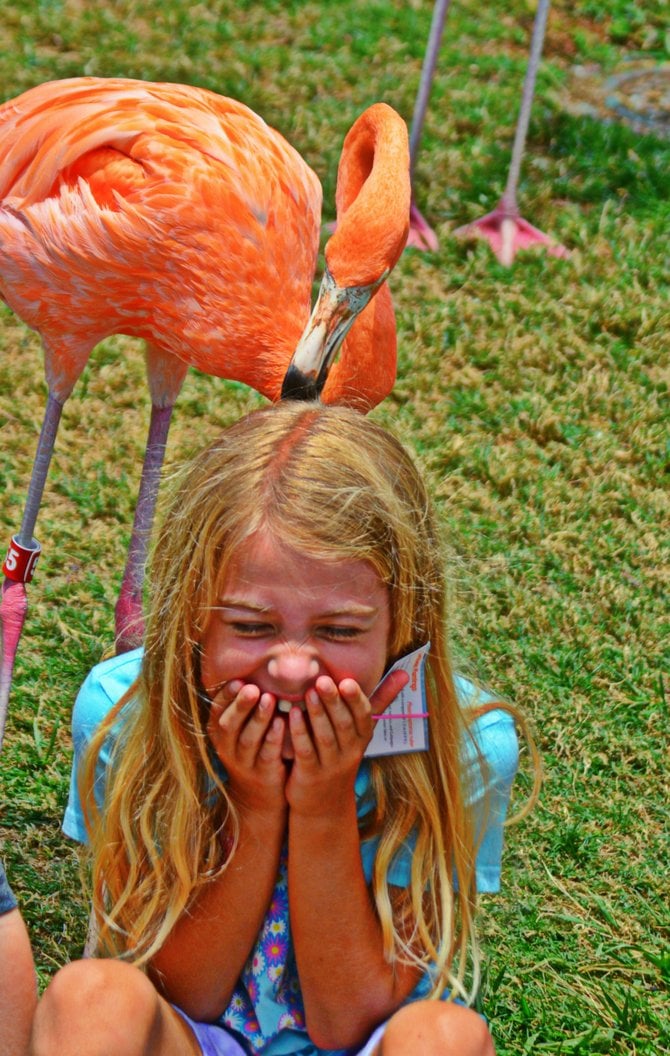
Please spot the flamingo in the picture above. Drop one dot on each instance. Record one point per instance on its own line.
(503, 228)
(170, 213)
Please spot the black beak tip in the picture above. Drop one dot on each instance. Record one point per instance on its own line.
(299, 386)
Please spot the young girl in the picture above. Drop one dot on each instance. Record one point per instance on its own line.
(259, 886)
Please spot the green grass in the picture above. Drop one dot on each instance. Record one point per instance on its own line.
(536, 400)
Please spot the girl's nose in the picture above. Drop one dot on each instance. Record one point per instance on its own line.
(293, 667)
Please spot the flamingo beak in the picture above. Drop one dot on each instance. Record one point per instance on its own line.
(335, 310)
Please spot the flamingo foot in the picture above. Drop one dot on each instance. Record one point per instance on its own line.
(129, 621)
(507, 233)
(421, 235)
(13, 608)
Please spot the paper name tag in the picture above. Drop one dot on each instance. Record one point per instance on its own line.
(403, 727)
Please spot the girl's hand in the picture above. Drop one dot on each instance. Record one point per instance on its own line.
(328, 750)
(247, 737)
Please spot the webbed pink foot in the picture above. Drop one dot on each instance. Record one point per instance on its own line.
(507, 233)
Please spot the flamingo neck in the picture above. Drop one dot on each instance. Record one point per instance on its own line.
(365, 371)
(373, 199)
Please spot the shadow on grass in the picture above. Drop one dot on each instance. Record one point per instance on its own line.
(609, 160)
(588, 162)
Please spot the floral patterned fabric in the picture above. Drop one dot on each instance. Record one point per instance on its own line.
(266, 1013)
(267, 998)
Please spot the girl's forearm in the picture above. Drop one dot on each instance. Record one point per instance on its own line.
(347, 985)
(200, 963)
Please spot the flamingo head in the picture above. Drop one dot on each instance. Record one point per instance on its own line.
(335, 310)
(373, 201)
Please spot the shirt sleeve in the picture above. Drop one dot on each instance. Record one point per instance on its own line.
(103, 686)
(490, 759)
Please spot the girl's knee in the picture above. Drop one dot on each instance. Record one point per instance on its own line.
(94, 1007)
(437, 1028)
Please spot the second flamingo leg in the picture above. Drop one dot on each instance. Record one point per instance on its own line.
(128, 612)
(421, 235)
(508, 199)
(504, 228)
(22, 558)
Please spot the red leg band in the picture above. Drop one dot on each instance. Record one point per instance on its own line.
(21, 561)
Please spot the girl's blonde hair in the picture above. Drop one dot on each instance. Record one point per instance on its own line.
(334, 485)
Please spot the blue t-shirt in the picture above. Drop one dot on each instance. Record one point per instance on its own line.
(266, 1007)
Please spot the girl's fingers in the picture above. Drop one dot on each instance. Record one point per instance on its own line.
(256, 726)
(239, 719)
(247, 737)
(237, 709)
(322, 701)
(340, 715)
(224, 693)
(223, 696)
(359, 707)
(301, 740)
(388, 690)
(229, 690)
(270, 750)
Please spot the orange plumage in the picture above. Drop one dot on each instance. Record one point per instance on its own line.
(161, 211)
(172, 214)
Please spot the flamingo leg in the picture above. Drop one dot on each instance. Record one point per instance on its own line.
(22, 558)
(503, 228)
(421, 235)
(128, 611)
(523, 120)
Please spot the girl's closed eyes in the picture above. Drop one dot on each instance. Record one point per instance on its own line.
(316, 561)
(341, 632)
(268, 630)
(253, 630)
(285, 619)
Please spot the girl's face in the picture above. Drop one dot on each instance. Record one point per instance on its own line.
(283, 619)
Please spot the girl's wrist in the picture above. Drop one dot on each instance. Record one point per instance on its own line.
(266, 828)
(258, 815)
(324, 813)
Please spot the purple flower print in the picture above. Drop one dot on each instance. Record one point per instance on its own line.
(275, 948)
